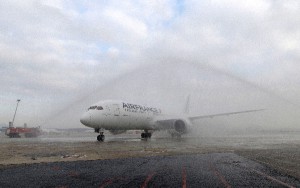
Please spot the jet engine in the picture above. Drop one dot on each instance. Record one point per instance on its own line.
(176, 126)
(180, 126)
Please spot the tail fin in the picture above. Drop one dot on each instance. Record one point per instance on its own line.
(187, 105)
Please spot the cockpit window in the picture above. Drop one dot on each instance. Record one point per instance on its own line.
(92, 107)
(99, 108)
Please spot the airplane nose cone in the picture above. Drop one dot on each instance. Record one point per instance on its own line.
(85, 119)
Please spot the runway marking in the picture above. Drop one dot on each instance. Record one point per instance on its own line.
(73, 174)
(110, 181)
(273, 179)
(220, 176)
(149, 177)
(183, 178)
(106, 183)
(56, 168)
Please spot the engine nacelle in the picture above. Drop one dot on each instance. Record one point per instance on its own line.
(114, 132)
(180, 126)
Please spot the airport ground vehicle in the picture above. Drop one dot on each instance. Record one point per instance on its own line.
(16, 132)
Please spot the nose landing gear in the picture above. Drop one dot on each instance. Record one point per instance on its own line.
(146, 135)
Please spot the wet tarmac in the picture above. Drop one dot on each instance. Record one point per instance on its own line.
(194, 170)
(76, 159)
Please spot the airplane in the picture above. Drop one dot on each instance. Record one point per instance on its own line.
(118, 116)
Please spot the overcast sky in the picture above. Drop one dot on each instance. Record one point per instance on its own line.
(54, 52)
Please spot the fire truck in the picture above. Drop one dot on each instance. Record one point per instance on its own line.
(16, 132)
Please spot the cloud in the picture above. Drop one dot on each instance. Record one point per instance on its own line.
(129, 24)
(59, 50)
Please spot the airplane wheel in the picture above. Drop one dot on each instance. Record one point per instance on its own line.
(146, 135)
(100, 138)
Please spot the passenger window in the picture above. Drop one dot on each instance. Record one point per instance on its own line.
(92, 107)
(99, 108)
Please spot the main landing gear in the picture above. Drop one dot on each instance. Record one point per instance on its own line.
(146, 135)
(100, 137)
(175, 135)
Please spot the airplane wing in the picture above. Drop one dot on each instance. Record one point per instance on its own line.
(164, 122)
(222, 114)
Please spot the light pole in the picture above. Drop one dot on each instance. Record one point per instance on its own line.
(15, 111)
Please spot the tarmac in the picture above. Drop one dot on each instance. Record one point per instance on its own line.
(77, 160)
(194, 170)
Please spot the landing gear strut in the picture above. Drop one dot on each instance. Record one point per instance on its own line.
(176, 136)
(146, 135)
(101, 137)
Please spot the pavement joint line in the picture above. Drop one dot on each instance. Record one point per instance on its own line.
(271, 166)
(267, 176)
(219, 176)
(273, 179)
(149, 177)
(183, 177)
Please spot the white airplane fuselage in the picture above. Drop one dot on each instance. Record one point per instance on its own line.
(117, 115)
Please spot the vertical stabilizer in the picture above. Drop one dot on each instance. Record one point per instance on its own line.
(187, 105)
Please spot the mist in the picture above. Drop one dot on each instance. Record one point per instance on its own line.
(166, 85)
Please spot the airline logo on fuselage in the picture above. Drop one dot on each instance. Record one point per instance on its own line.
(138, 108)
